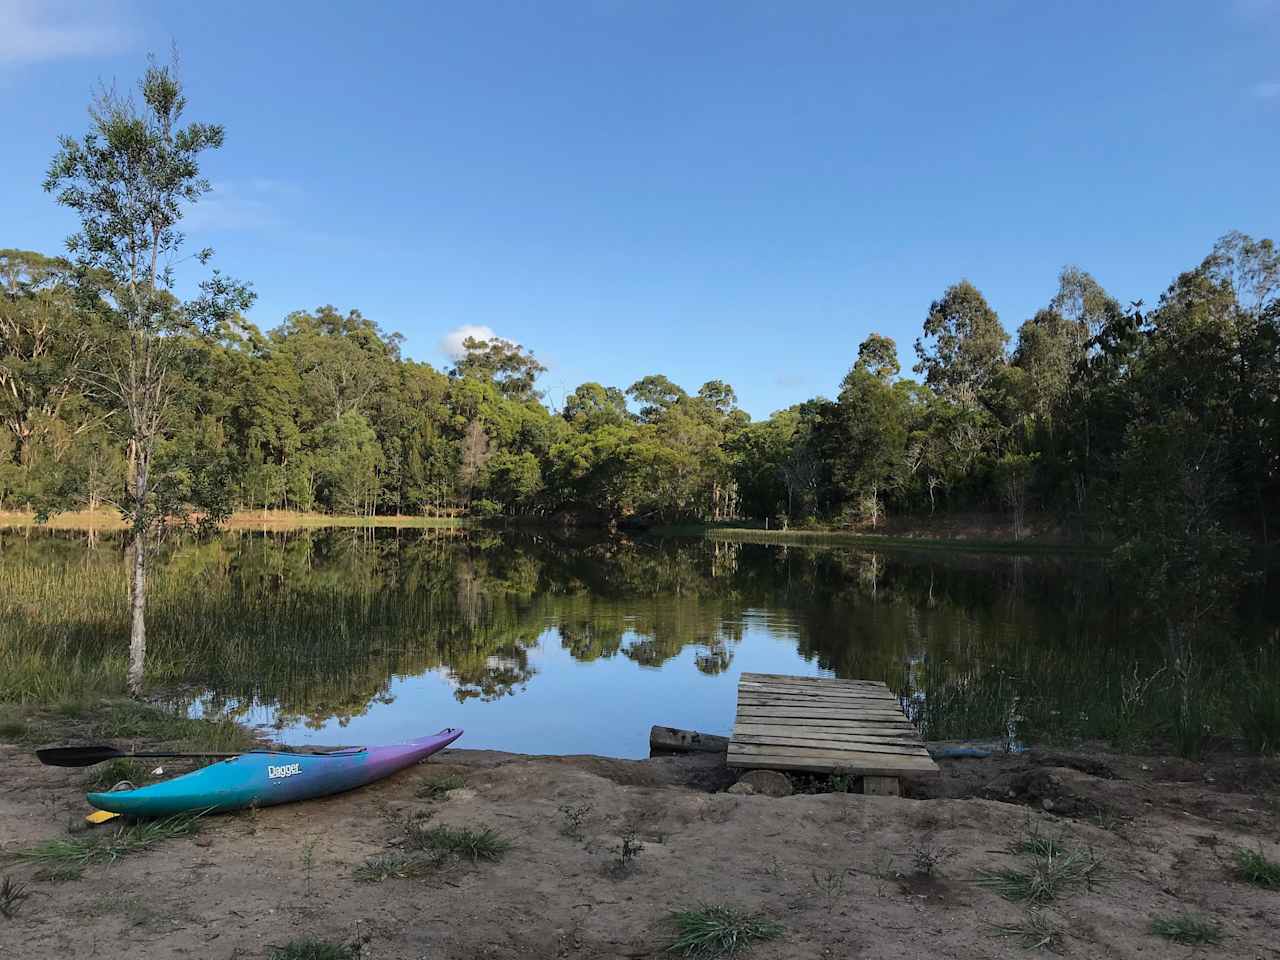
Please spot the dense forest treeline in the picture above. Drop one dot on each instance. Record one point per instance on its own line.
(1101, 415)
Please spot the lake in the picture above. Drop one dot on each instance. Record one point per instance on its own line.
(538, 643)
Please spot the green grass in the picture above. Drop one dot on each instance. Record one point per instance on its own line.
(315, 950)
(1257, 703)
(1189, 928)
(130, 720)
(1048, 878)
(438, 787)
(719, 931)
(107, 775)
(127, 840)
(1253, 867)
(469, 843)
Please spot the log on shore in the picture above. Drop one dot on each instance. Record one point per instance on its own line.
(674, 740)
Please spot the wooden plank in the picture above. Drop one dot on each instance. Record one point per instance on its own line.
(891, 703)
(900, 727)
(847, 703)
(840, 759)
(842, 706)
(858, 746)
(811, 731)
(869, 765)
(816, 713)
(876, 690)
(819, 733)
(819, 681)
(867, 693)
(881, 787)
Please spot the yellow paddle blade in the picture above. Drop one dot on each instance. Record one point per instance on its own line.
(100, 816)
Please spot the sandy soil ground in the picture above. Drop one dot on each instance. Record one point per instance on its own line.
(836, 870)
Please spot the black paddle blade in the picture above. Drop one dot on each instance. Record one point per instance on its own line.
(77, 756)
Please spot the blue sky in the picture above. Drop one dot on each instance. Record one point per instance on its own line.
(729, 190)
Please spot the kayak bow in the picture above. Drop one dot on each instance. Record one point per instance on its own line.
(261, 778)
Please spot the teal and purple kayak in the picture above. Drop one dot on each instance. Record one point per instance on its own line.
(262, 778)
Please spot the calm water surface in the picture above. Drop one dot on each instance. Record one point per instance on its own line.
(538, 644)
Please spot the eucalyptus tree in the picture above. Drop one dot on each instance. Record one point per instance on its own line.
(128, 179)
(963, 344)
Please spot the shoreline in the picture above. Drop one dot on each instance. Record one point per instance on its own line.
(984, 538)
(109, 520)
(840, 873)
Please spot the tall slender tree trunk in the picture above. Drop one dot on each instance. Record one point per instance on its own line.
(138, 615)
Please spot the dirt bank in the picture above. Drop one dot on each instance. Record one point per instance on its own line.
(840, 872)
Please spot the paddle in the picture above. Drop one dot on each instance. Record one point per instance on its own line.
(88, 756)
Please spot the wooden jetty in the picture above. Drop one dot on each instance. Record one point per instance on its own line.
(851, 727)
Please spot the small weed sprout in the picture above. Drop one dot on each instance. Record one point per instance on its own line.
(926, 858)
(308, 862)
(625, 855)
(831, 884)
(573, 817)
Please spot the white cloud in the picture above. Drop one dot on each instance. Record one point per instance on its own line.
(32, 31)
(1265, 91)
(252, 204)
(791, 379)
(451, 342)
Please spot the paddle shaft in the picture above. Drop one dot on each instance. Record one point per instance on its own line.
(88, 756)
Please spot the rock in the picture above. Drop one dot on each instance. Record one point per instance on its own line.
(768, 783)
(743, 789)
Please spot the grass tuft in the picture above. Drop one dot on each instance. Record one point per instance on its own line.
(1253, 867)
(439, 787)
(1047, 878)
(1188, 928)
(315, 950)
(131, 838)
(470, 843)
(400, 866)
(719, 931)
(1036, 844)
(1035, 932)
(12, 894)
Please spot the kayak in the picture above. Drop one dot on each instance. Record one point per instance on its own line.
(261, 778)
